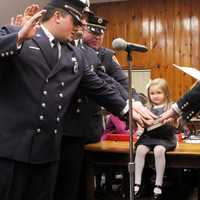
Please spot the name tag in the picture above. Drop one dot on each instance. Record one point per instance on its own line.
(35, 48)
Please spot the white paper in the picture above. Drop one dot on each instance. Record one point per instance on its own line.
(190, 71)
(192, 141)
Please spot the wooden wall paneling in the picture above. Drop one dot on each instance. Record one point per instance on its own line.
(124, 22)
(194, 42)
(177, 46)
(169, 26)
(122, 31)
(144, 31)
(135, 33)
(160, 37)
(176, 42)
(185, 42)
(195, 31)
(155, 66)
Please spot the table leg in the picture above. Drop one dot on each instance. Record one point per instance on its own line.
(198, 185)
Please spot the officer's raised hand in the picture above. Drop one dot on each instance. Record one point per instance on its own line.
(30, 28)
(16, 21)
(29, 12)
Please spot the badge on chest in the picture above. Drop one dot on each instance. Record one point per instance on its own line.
(75, 65)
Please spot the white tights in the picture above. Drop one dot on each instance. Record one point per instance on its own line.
(160, 162)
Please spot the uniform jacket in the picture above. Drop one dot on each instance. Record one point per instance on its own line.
(113, 69)
(35, 95)
(189, 103)
(85, 119)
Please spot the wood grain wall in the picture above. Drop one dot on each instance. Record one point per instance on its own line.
(169, 28)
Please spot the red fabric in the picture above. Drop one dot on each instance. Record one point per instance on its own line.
(118, 137)
(125, 137)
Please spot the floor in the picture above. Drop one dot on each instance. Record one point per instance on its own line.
(178, 185)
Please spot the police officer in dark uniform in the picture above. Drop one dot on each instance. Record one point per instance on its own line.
(40, 72)
(84, 124)
(93, 37)
(84, 116)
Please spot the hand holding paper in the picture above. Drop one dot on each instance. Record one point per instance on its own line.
(190, 71)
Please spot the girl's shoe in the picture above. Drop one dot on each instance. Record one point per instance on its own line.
(158, 196)
(137, 194)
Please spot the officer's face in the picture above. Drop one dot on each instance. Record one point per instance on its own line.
(80, 29)
(66, 27)
(93, 40)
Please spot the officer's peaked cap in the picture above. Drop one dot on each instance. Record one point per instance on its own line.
(97, 24)
(74, 7)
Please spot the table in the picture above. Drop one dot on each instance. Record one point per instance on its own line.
(117, 153)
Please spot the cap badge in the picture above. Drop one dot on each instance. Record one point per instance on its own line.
(100, 20)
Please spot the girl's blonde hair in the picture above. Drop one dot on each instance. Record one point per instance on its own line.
(162, 84)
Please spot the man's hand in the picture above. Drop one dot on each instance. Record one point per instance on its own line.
(30, 28)
(167, 116)
(17, 21)
(142, 115)
(143, 111)
(29, 12)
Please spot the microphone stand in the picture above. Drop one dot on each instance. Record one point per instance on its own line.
(131, 145)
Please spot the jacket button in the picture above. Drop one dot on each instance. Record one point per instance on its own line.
(59, 107)
(41, 117)
(58, 119)
(55, 131)
(43, 105)
(62, 84)
(2, 54)
(61, 95)
(45, 92)
(79, 100)
(78, 111)
(38, 130)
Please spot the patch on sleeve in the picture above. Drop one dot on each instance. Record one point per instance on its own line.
(114, 58)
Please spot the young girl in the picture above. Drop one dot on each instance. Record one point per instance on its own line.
(159, 140)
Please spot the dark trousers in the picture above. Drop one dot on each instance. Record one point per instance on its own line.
(22, 181)
(72, 151)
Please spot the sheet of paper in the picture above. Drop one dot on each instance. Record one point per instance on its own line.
(190, 71)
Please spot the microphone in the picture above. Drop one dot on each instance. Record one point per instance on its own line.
(120, 44)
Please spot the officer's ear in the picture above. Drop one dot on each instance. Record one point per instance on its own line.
(58, 15)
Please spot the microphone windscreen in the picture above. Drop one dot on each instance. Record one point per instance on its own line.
(119, 44)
